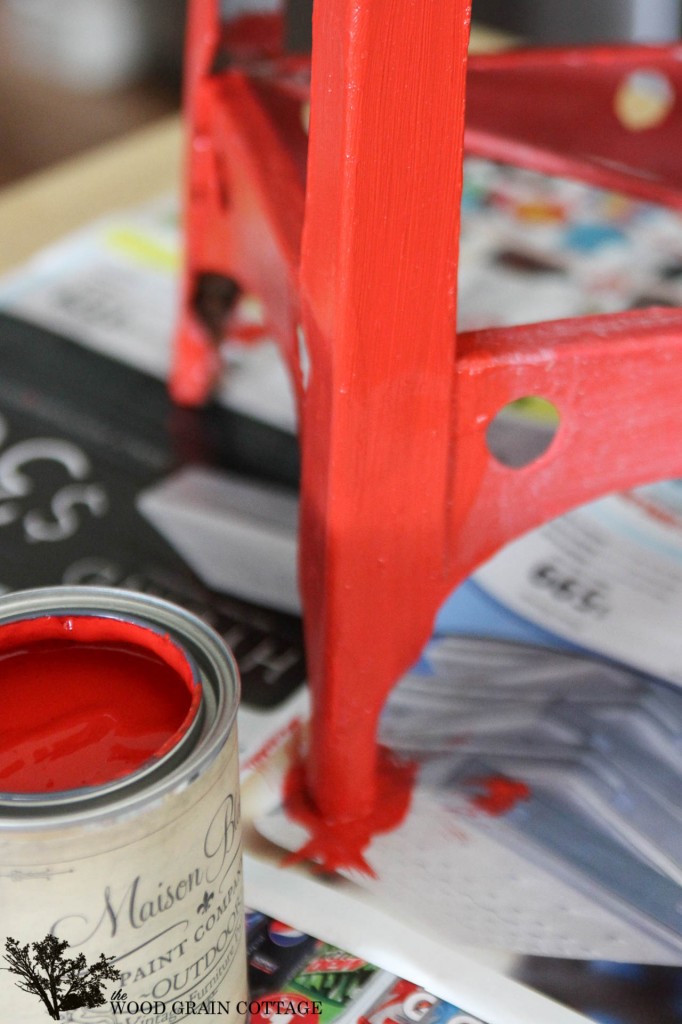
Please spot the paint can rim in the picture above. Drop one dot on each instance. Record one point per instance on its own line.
(212, 664)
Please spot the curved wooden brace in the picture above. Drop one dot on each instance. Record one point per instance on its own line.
(373, 599)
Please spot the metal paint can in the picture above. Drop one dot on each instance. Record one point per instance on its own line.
(144, 870)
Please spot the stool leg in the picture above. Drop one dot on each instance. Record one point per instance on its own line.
(378, 289)
(195, 357)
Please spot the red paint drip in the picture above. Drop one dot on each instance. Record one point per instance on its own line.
(262, 755)
(87, 700)
(500, 794)
(341, 844)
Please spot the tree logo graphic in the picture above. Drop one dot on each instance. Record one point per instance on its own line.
(60, 982)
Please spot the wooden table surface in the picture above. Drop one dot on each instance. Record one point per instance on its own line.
(46, 206)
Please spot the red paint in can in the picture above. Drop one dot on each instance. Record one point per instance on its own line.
(87, 700)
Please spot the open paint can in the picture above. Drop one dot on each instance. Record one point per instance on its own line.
(120, 842)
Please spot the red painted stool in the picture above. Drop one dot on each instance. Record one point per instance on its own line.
(350, 238)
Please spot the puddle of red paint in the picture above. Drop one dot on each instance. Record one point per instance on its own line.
(336, 845)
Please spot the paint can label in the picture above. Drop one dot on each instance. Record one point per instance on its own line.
(135, 917)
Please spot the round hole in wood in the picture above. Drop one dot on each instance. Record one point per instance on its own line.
(643, 99)
(522, 431)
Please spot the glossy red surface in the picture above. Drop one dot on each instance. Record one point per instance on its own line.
(86, 700)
